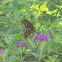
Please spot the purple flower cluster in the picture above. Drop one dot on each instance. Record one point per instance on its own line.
(41, 37)
(1, 50)
(20, 44)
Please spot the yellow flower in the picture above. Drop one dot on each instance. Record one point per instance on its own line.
(33, 6)
(36, 27)
(36, 8)
(44, 9)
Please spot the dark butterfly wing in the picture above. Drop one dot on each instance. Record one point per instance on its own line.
(27, 33)
(28, 27)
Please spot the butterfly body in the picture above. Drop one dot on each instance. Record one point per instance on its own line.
(28, 27)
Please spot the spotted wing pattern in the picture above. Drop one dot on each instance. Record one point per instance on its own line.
(28, 27)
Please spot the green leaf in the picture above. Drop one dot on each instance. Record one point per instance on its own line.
(58, 14)
(54, 25)
(37, 24)
(57, 38)
(43, 55)
(22, 11)
(37, 14)
(49, 12)
(61, 7)
(36, 54)
(43, 5)
(1, 12)
(52, 58)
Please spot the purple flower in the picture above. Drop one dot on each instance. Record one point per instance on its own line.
(42, 34)
(41, 37)
(36, 38)
(44, 37)
(20, 44)
(47, 36)
(38, 34)
(16, 42)
(1, 50)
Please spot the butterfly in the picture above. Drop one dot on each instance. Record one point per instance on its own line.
(28, 27)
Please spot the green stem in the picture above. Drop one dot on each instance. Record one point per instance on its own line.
(41, 49)
(21, 52)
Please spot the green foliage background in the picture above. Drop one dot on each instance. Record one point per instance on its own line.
(11, 30)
